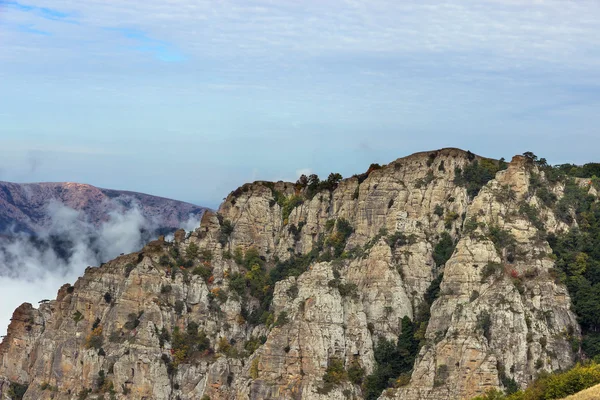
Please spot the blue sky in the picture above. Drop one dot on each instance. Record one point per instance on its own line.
(189, 99)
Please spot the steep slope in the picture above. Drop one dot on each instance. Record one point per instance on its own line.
(288, 291)
(24, 206)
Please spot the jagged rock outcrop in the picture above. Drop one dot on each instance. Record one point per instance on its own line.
(289, 281)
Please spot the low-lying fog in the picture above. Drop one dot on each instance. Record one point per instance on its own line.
(33, 269)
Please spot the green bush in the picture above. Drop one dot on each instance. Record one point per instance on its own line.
(226, 231)
(392, 360)
(443, 249)
(552, 386)
(476, 174)
(289, 204)
(490, 269)
(335, 372)
(17, 390)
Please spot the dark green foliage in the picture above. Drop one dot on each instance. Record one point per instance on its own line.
(578, 261)
(107, 297)
(392, 360)
(591, 345)
(179, 306)
(362, 177)
(335, 373)
(237, 283)
(164, 289)
(192, 251)
(443, 249)
(588, 170)
(484, 322)
(575, 200)
(356, 373)
(77, 316)
(17, 390)
(441, 375)
(431, 159)
(164, 260)
(289, 204)
(282, 319)
(426, 180)
(315, 185)
(503, 240)
(475, 175)
(337, 240)
(490, 269)
(345, 289)
(128, 268)
(550, 386)
(532, 213)
(398, 239)
(546, 196)
(433, 291)
(133, 320)
(203, 271)
(163, 337)
(439, 210)
(292, 291)
(470, 226)
(184, 344)
(296, 232)
(226, 231)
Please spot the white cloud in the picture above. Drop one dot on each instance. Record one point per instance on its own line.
(33, 271)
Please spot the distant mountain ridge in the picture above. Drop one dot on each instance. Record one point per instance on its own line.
(24, 206)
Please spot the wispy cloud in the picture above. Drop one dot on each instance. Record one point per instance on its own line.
(160, 49)
(30, 29)
(44, 12)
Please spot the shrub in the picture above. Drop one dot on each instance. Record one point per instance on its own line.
(443, 249)
(17, 390)
(107, 297)
(392, 360)
(338, 239)
(77, 316)
(335, 372)
(532, 214)
(289, 204)
(225, 232)
(179, 306)
(202, 271)
(484, 322)
(476, 174)
(128, 268)
(490, 269)
(94, 339)
(356, 373)
(133, 321)
(192, 250)
(439, 210)
(282, 319)
(449, 219)
(441, 374)
(164, 289)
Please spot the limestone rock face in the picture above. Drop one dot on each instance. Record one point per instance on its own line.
(281, 283)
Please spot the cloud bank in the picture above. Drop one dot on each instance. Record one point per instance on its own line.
(33, 268)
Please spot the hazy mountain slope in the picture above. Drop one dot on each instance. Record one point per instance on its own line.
(24, 206)
(290, 290)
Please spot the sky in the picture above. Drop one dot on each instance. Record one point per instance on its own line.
(189, 99)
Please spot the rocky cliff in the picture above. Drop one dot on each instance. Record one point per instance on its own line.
(290, 291)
